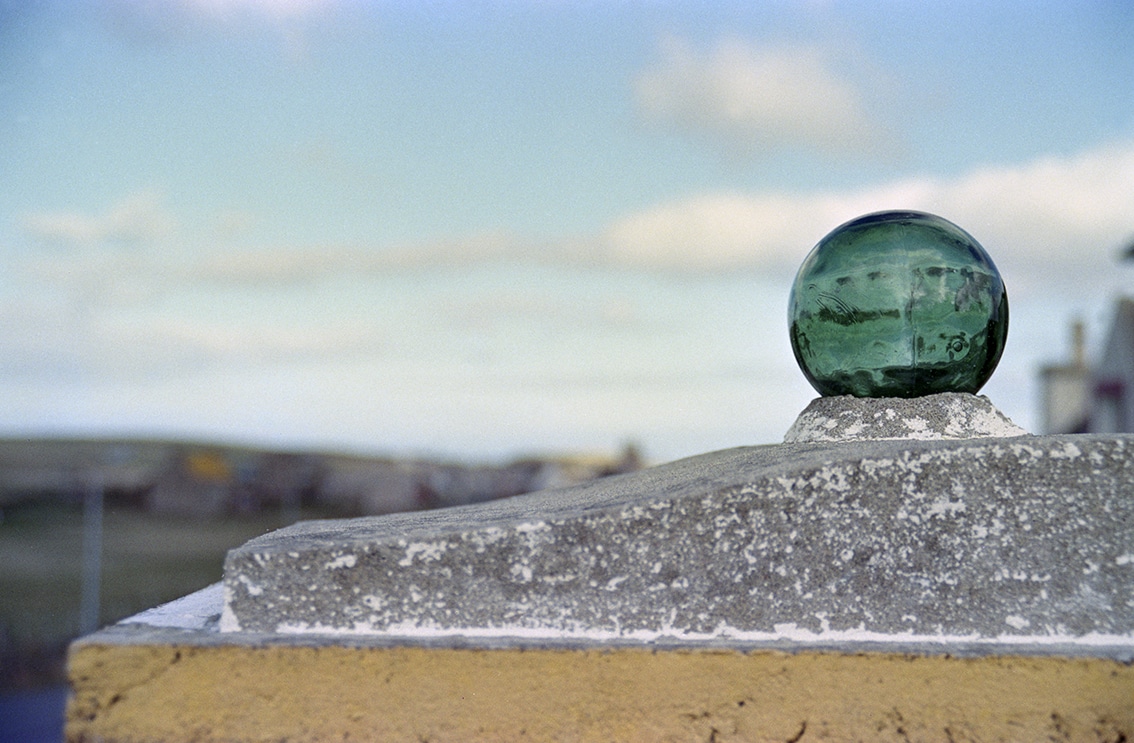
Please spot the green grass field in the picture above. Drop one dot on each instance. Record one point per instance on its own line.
(146, 560)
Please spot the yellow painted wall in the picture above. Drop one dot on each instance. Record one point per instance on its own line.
(152, 692)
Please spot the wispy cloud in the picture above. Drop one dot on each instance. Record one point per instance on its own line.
(1069, 211)
(156, 22)
(307, 263)
(273, 8)
(755, 98)
(156, 313)
(136, 219)
(166, 15)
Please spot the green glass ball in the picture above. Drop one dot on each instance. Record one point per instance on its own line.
(898, 304)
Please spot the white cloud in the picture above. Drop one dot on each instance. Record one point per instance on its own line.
(137, 219)
(1054, 209)
(1072, 212)
(1069, 212)
(760, 98)
(711, 231)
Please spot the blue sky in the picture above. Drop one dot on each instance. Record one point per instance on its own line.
(479, 229)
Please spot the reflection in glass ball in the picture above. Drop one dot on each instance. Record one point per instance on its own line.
(898, 304)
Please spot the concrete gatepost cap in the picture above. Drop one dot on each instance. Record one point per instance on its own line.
(948, 415)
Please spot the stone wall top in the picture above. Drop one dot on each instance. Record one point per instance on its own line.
(1026, 542)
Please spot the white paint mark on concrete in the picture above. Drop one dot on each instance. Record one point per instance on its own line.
(252, 588)
(612, 584)
(945, 507)
(1069, 451)
(426, 551)
(343, 561)
(789, 632)
(188, 612)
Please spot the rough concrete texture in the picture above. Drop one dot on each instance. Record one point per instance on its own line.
(949, 415)
(137, 683)
(939, 546)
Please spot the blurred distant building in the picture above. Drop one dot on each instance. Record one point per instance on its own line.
(197, 482)
(1066, 403)
(1080, 398)
(210, 481)
(357, 486)
(1113, 404)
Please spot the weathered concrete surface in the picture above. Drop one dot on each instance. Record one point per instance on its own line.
(148, 682)
(937, 546)
(949, 415)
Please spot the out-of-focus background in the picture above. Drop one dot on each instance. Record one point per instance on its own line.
(486, 228)
(263, 260)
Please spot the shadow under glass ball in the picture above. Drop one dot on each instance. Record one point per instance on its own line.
(898, 304)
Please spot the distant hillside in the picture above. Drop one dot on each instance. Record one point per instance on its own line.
(205, 480)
